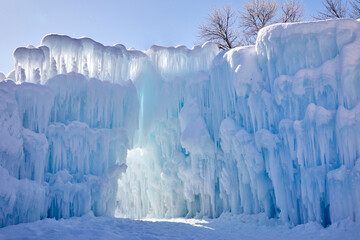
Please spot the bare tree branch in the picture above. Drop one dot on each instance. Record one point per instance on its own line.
(256, 15)
(292, 11)
(355, 13)
(333, 9)
(219, 28)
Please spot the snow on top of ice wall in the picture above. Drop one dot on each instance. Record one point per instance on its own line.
(60, 54)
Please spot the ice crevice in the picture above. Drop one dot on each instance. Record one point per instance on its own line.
(178, 132)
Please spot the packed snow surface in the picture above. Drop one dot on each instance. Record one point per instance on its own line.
(174, 132)
(227, 227)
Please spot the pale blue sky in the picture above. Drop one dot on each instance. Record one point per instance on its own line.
(134, 23)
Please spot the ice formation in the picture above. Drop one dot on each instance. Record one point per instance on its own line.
(173, 132)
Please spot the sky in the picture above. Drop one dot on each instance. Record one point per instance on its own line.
(133, 23)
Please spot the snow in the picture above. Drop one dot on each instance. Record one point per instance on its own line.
(271, 129)
(226, 227)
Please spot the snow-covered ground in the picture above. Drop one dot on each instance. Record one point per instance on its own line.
(245, 227)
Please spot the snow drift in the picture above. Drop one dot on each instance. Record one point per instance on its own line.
(196, 132)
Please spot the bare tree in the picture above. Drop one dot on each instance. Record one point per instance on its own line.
(292, 11)
(355, 9)
(256, 15)
(219, 28)
(333, 9)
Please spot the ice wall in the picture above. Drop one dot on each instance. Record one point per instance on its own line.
(268, 128)
(63, 146)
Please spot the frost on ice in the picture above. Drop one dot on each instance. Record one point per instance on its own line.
(177, 132)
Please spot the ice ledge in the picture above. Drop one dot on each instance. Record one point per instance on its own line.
(60, 54)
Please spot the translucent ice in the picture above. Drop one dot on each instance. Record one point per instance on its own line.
(268, 128)
(50, 169)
